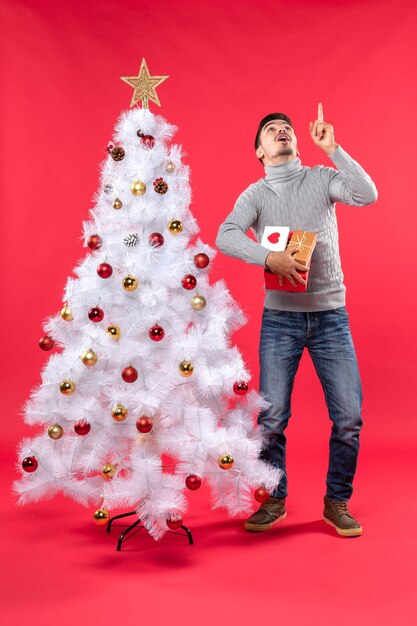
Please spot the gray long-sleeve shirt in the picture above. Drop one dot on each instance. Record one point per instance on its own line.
(303, 198)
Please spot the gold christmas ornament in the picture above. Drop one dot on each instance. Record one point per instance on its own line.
(119, 413)
(226, 461)
(55, 431)
(170, 166)
(114, 332)
(89, 358)
(101, 517)
(66, 313)
(130, 283)
(117, 204)
(144, 86)
(186, 368)
(175, 227)
(108, 471)
(198, 302)
(138, 188)
(67, 387)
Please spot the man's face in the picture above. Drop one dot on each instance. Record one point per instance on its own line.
(278, 143)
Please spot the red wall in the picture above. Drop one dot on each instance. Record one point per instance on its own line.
(229, 64)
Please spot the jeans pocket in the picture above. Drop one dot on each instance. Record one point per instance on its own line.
(341, 310)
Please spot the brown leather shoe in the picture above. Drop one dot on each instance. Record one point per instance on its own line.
(268, 514)
(337, 514)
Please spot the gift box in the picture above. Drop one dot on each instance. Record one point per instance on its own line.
(272, 282)
(306, 241)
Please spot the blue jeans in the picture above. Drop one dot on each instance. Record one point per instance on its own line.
(326, 335)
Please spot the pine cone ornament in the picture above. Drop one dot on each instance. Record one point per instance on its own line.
(131, 240)
(160, 185)
(117, 154)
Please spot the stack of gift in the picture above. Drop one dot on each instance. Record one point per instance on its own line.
(279, 238)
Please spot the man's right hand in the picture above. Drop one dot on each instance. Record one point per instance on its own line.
(284, 266)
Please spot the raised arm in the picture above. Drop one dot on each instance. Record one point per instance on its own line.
(350, 183)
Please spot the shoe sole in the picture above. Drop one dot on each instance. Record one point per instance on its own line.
(345, 532)
(258, 528)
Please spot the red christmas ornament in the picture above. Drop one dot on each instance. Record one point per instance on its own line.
(193, 482)
(201, 260)
(240, 388)
(82, 427)
(144, 424)
(261, 494)
(189, 281)
(148, 141)
(104, 270)
(156, 333)
(94, 242)
(46, 343)
(30, 464)
(96, 314)
(129, 374)
(173, 524)
(110, 147)
(156, 240)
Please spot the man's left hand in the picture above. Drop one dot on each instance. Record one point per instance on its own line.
(323, 134)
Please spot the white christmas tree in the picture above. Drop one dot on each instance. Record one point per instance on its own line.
(145, 367)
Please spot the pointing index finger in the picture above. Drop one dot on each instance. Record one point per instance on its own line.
(320, 113)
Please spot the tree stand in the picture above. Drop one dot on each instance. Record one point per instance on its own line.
(126, 534)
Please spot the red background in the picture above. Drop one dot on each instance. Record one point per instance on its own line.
(229, 63)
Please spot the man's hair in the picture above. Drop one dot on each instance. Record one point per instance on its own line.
(269, 118)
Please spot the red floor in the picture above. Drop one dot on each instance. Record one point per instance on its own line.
(59, 568)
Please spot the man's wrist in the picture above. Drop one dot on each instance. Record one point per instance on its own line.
(332, 149)
(266, 262)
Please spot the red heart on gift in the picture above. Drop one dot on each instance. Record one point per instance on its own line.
(273, 237)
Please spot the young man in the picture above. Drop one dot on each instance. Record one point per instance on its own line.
(304, 198)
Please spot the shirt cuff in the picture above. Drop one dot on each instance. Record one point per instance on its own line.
(340, 156)
(263, 253)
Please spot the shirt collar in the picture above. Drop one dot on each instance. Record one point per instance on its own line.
(283, 171)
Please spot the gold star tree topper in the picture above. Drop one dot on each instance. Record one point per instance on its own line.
(144, 86)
